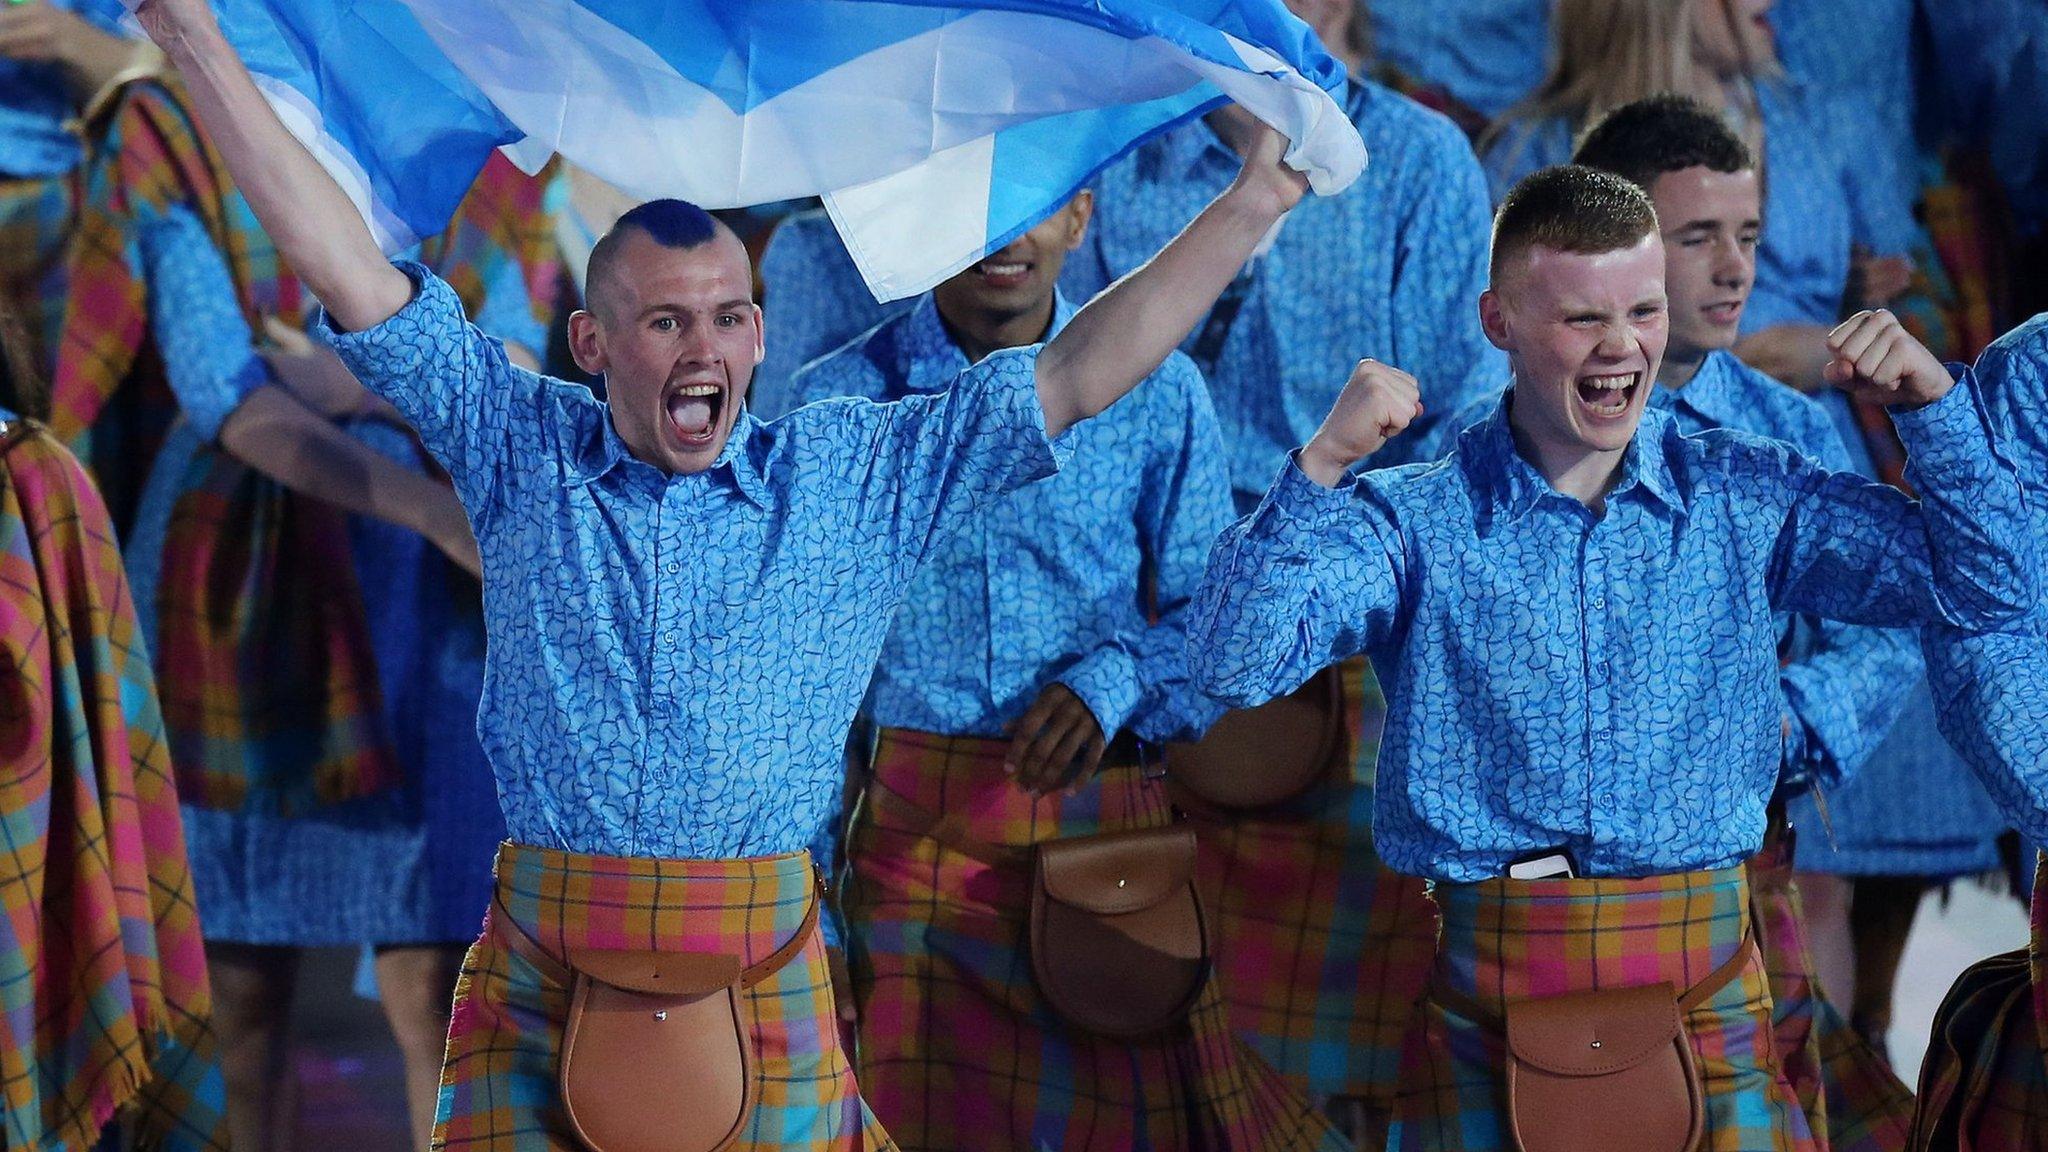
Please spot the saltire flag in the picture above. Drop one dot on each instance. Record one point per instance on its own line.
(935, 130)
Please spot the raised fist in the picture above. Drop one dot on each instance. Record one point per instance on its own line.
(1377, 403)
(1266, 176)
(1876, 359)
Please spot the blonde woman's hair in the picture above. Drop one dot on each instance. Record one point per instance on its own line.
(1604, 54)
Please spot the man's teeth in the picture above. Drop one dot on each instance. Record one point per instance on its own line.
(699, 390)
(989, 269)
(1610, 383)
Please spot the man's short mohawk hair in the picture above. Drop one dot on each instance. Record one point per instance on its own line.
(1651, 137)
(1571, 209)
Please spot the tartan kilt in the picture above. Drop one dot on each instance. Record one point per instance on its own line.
(1506, 940)
(1323, 951)
(1847, 1090)
(958, 1051)
(499, 1086)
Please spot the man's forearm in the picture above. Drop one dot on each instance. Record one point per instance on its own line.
(306, 214)
(1125, 333)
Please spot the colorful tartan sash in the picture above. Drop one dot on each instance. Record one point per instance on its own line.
(1506, 940)
(268, 685)
(498, 1086)
(958, 1050)
(36, 217)
(1323, 951)
(102, 973)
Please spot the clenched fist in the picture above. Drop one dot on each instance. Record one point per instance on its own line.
(1876, 359)
(1377, 403)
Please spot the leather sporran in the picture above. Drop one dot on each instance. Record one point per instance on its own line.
(1118, 941)
(658, 1051)
(1609, 1071)
(1259, 757)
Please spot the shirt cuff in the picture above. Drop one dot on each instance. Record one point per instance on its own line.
(1295, 504)
(1010, 377)
(1106, 680)
(1949, 435)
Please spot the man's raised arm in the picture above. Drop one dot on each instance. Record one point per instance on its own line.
(1127, 331)
(306, 214)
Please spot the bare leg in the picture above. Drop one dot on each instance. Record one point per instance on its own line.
(253, 985)
(1824, 905)
(1880, 919)
(417, 986)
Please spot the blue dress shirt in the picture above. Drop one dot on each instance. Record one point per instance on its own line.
(1603, 682)
(1390, 268)
(1058, 580)
(1844, 684)
(1842, 196)
(1991, 689)
(1487, 53)
(675, 659)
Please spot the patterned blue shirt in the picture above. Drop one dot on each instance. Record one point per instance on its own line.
(1826, 196)
(1057, 580)
(1843, 683)
(1390, 268)
(1487, 53)
(1605, 683)
(675, 659)
(812, 301)
(1991, 689)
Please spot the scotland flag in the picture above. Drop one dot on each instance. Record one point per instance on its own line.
(935, 130)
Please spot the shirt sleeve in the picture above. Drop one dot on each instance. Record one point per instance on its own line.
(452, 383)
(924, 464)
(1308, 579)
(1441, 269)
(1184, 506)
(1843, 694)
(196, 319)
(1991, 703)
(1863, 553)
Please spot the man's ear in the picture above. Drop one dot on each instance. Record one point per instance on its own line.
(1080, 210)
(586, 346)
(1493, 320)
(760, 335)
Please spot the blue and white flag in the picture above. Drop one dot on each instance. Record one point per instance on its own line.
(935, 130)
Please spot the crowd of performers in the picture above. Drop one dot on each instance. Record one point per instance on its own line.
(1233, 669)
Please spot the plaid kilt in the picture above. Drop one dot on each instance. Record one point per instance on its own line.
(1323, 951)
(499, 1086)
(104, 1003)
(1847, 1090)
(1505, 941)
(957, 1049)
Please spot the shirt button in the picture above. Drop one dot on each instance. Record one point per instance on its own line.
(1599, 601)
(674, 567)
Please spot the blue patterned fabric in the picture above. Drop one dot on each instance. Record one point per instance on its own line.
(1992, 688)
(675, 659)
(1391, 268)
(1056, 581)
(1913, 809)
(812, 301)
(1843, 683)
(1606, 683)
(1862, 52)
(1824, 192)
(1487, 53)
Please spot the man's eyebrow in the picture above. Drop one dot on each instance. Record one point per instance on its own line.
(734, 304)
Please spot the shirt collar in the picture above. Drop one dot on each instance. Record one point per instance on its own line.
(736, 459)
(933, 360)
(1509, 486)
(1710, 393)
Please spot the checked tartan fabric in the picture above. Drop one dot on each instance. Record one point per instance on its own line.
(958, 1052)
(268, 684)
(498, 1085)
(104, 1002)
(1506, 940)
(1848, 1092)
(35, 220)
(1324, 952)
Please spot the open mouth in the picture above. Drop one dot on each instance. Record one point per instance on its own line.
(1003, 273)
(693, 412)
(1610, 395)
(1725, 312)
